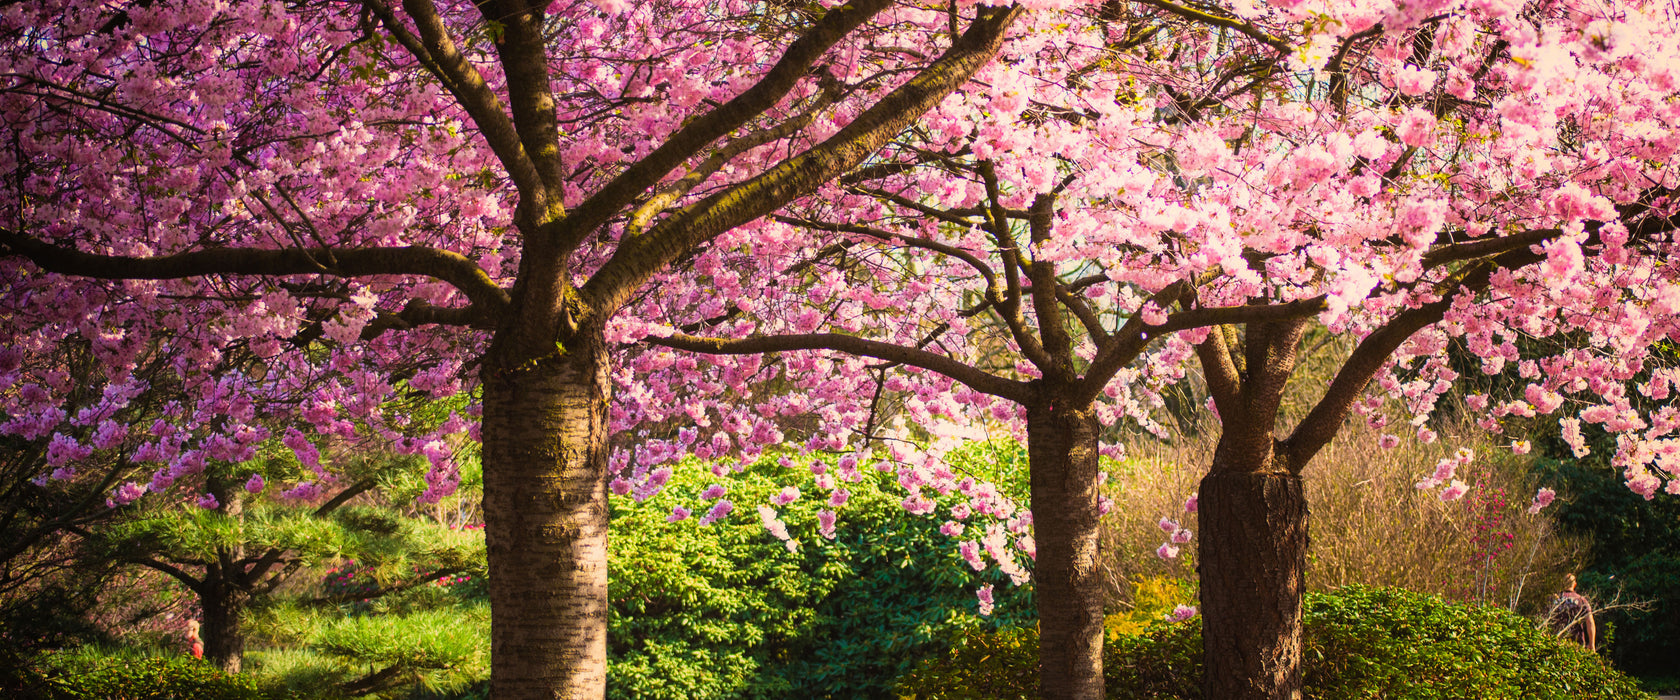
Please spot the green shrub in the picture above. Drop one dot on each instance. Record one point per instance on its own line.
(1359, 643)
(1635, 558)
(91, 674)
(727, 611)
(1364, 642)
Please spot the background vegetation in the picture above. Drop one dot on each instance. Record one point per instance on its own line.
(384, 598)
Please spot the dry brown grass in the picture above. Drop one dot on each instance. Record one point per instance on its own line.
(1369, 524)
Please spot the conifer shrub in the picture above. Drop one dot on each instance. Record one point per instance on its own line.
(92, 674)
(1360, 642)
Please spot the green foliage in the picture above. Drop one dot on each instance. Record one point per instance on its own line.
(1635, 558)
(437, 650)
(1153, 598)
(381, 626)
(1660, 685)
(726, 611)
(95, 674)
(1364, 642)
(1359, 642)
(1001, 461)
(979, 664)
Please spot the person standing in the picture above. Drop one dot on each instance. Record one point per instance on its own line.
(1571, 616)
(194, 640)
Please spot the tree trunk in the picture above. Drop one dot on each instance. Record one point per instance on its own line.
(1253, 553)
(1062, 454)
(545, 513)
(222, 629)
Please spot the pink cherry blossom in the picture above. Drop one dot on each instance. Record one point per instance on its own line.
(970, 551)
(125, 494)
(1454, 490)
(719, 511)
(984, 595)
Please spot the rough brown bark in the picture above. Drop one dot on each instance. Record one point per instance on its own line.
(545, 505)
(1062, 457)
(223, 628)
(1253, 554)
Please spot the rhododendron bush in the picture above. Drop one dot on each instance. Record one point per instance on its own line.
(360, 201)
(1153, 186)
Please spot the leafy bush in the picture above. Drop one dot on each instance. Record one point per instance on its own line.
(91, 674)
(727, 611)
(1359, 643)
(1364, 642)
(1635, 558)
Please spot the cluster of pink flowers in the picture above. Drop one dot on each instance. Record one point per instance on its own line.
(1181, 613)
(1445, 470)
(1177, 535)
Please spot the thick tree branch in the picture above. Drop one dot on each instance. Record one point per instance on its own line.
(975, 378)
(1052, 327)
(523, 53)
(1272, 349)
(944, 215)
(640, 218)
(437, 52)
(1126, 344)
(444, 265)
(640, 257)
(699, 133)
(1224, 382)
(1009, 304)
(1087, 316)
(174, 572)
(1251, 313)
(1201, 17)
(1320, 425)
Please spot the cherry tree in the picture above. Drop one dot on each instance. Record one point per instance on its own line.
(427, 199)
(1157, 183)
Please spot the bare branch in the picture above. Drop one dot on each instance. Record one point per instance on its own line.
(444, 265)
(1201, 17)
(975, 378)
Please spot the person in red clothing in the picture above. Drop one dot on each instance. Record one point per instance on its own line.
(1571, 617)
(192, 638)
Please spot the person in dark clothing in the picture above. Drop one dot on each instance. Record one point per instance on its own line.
(1571, 616)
